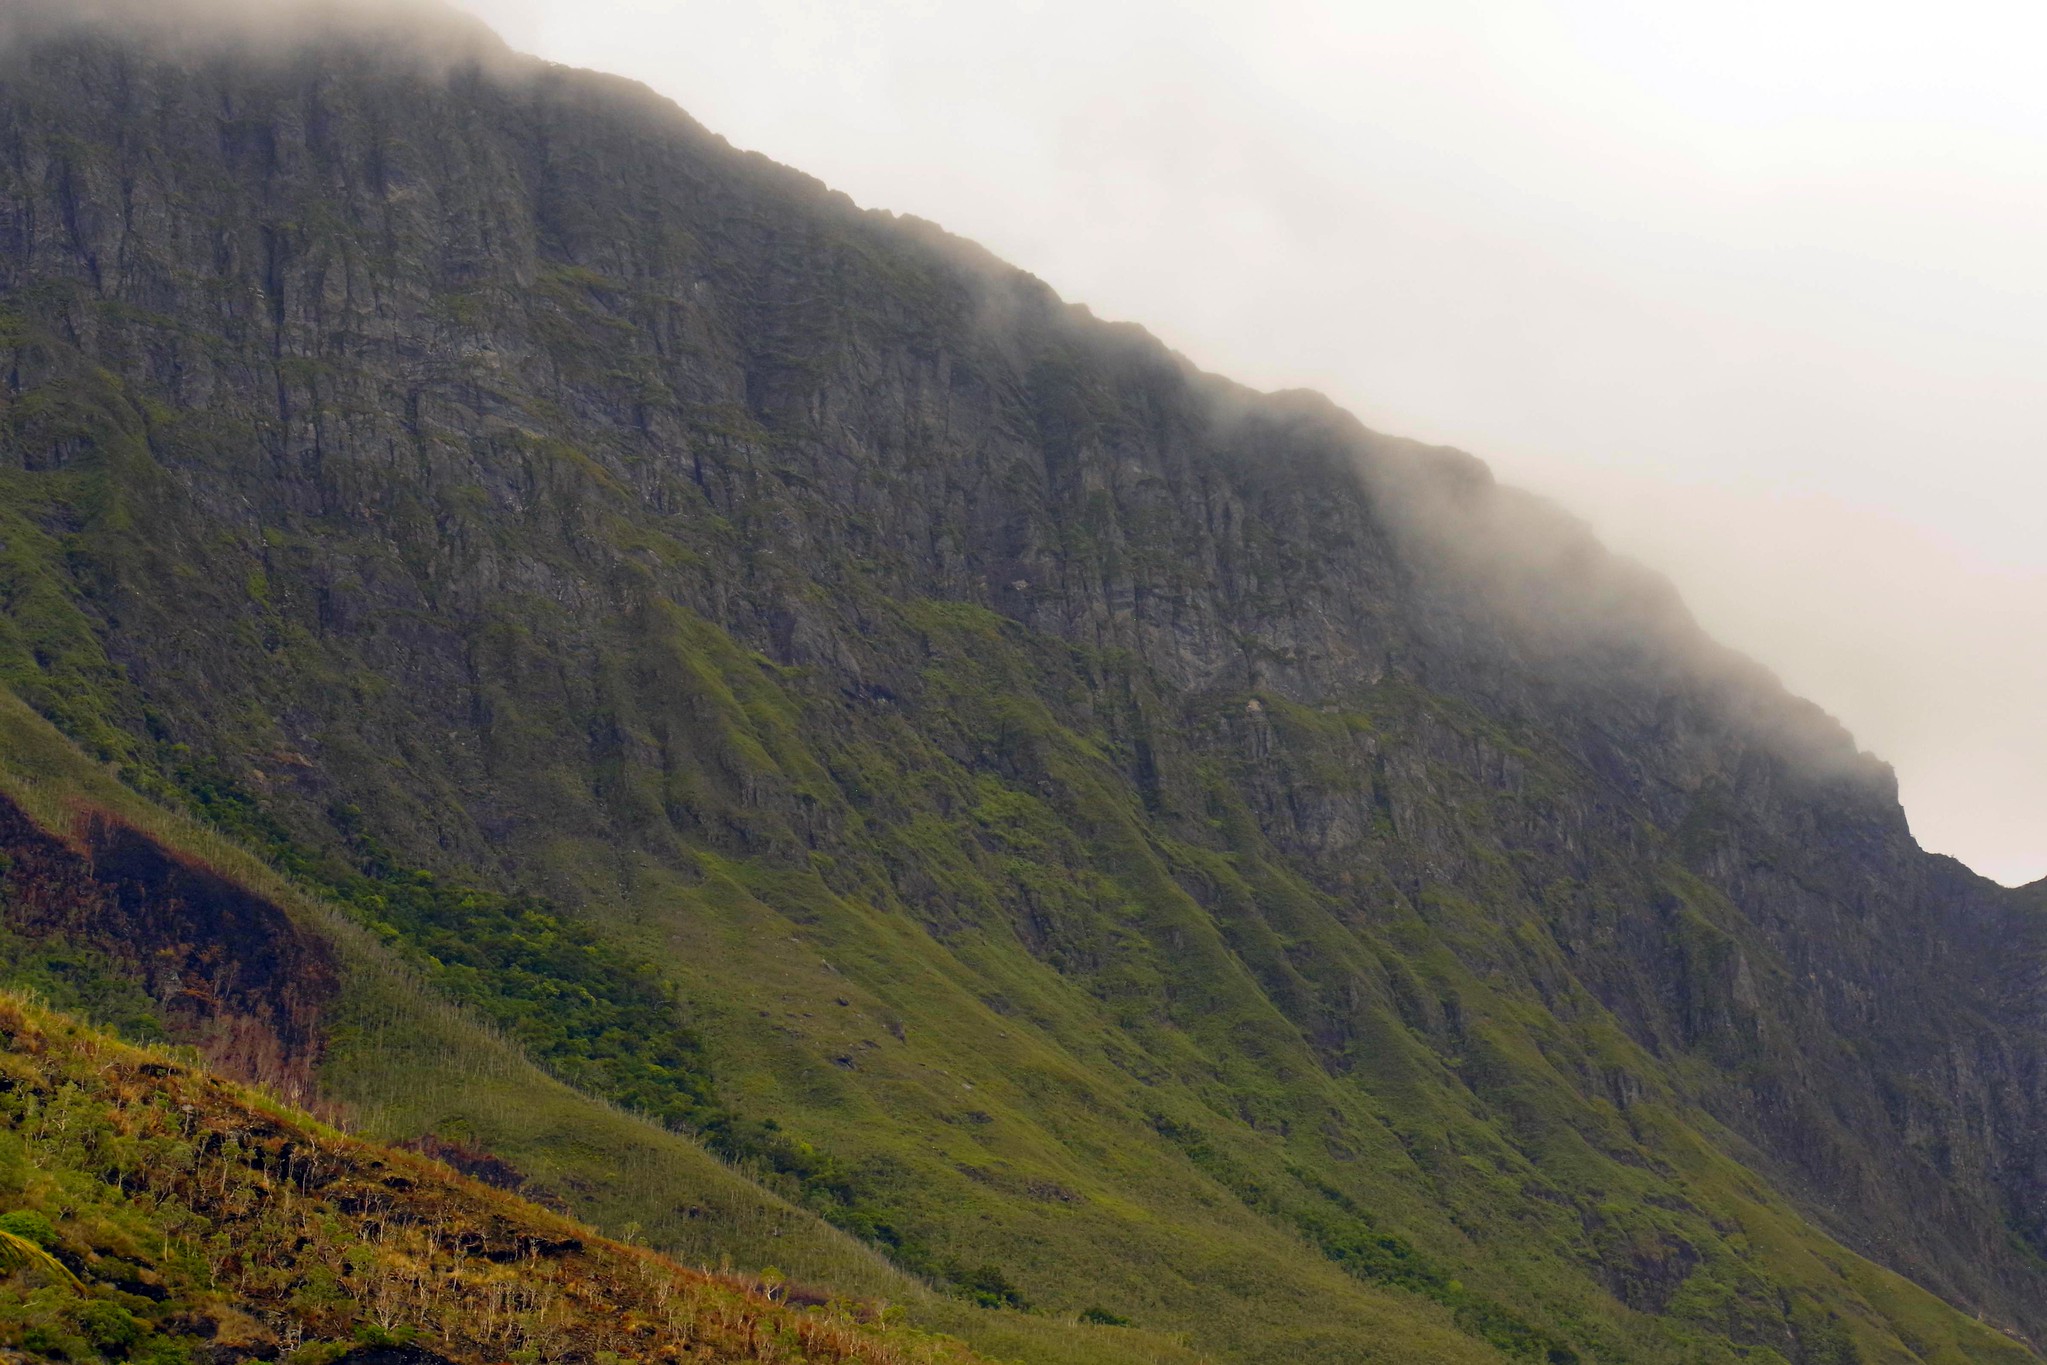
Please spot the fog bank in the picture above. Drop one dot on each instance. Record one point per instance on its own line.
(430, 31)
(1756, 288)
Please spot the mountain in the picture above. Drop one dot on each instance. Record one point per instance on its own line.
(498, 582)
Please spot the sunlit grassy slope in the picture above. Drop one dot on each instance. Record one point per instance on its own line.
(404, 1062)
(182, 1218)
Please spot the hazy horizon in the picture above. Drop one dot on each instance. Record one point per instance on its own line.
(1755, 292)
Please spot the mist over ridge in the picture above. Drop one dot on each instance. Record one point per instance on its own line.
(1753, 291)
(1503, 535)
(1529, 566)
(434, 27)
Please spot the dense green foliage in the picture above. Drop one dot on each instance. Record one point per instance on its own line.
(595, 1014)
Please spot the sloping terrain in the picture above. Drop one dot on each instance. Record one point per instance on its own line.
(190, 1221)
(395, 1057)
(1114, 843)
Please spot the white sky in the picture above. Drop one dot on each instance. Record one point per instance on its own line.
(1758, 288)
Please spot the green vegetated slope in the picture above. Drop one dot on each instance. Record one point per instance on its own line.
(156, 1214)
(1115, 846)
(399, 1059)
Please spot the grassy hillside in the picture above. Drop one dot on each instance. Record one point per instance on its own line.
(401, 1062)
(180, 1218)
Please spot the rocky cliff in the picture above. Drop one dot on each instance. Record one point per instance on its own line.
(430, 463)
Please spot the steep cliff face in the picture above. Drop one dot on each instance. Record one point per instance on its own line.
(418, 457)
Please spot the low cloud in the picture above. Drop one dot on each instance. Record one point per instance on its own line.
(424, 30)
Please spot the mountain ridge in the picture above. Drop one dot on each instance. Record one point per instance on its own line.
(532, 489)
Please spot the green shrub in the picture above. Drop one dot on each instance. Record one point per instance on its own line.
(156, 1350)
(30, 1224)
(107, 1325)
(987, 1286)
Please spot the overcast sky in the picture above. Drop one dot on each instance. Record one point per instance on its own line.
(1760, 289)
